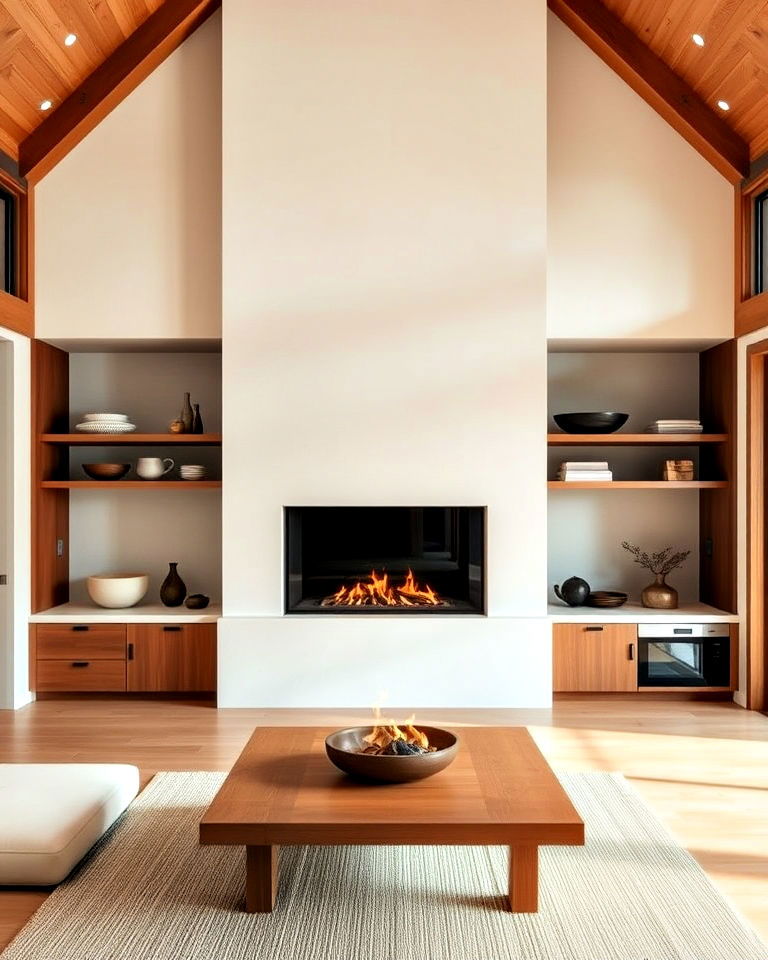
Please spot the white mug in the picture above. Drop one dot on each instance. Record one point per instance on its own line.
(151, 468)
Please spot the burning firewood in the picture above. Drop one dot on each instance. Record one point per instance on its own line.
(379, 592)
(389, 740)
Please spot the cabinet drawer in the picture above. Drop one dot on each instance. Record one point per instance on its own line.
(81, 676)
(69, 641)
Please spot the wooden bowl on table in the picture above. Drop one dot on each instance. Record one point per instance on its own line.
(344, 746)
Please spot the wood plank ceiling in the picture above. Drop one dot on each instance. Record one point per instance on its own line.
(35, 63)
(731, 66)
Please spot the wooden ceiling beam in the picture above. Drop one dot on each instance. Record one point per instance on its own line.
(157, 37)
(657, 84)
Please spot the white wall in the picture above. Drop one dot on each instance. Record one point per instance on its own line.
(15, 518)
(384, 329)
(640, 226)
(128, 225)
(143, 531)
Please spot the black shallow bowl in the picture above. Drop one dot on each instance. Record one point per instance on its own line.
(343, 748)
(197, 601)
(590, 422)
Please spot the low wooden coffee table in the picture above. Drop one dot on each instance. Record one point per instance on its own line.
(283, 789)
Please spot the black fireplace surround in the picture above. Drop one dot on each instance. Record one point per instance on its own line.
(337, 558)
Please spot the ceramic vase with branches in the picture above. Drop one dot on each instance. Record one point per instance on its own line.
(658, 595)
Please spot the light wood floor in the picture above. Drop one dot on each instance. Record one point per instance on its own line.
(702, 767)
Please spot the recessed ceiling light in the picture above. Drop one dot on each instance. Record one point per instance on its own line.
(723, 104)
(698, 39)
(70, 39)
(46, 105)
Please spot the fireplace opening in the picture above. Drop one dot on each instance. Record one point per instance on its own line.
(387, 560)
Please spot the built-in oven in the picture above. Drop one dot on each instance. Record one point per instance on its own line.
(683, 655)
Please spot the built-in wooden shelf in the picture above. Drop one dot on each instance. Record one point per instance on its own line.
(131, 439)
(686, 689)
(130, 484)
(637, 484)
(633, 439)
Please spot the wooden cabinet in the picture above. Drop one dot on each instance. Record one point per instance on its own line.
(594, 657)
(119, 657)
(171, 657)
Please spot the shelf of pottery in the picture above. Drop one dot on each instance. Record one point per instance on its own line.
(128, 462)
(103, 430)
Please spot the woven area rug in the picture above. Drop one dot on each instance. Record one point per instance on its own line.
(149, 891)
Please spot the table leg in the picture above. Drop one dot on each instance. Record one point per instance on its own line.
(260, 878)
(524, 879)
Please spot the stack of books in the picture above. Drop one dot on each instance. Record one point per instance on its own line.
(675, 426)
(581, 470)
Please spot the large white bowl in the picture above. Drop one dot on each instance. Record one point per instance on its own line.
(118, 590)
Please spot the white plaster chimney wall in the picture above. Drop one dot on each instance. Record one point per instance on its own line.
(384, 232)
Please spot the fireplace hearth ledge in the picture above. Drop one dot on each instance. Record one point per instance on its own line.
(343, 661)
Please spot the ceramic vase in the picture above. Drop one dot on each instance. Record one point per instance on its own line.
(186, 416)
(197, 420)
(660, 595)
(174, 589)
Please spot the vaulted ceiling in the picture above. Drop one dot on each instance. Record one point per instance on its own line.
(731, 66)
(36, 65)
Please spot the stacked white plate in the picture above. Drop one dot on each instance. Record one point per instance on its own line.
(106, 423)
(192, 471)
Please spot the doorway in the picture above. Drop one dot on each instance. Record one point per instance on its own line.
(15, 551)
(757, 532)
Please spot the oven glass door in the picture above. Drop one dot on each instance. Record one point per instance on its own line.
(673, 663)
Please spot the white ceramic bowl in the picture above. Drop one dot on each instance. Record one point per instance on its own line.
(118, 590)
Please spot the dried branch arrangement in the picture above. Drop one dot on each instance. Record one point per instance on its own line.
(660, 563)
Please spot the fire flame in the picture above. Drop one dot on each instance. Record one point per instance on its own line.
(385, 733)
(379, 592)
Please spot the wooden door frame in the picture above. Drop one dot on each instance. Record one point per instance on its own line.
(757, 541)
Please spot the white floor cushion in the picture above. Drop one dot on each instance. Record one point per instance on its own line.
(51, 814)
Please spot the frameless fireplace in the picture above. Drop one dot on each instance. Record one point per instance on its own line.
(385, 560)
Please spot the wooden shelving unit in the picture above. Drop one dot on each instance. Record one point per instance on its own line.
(640, 454)
(633, 439)
(131, 439)
(637, 484)
(131, 484)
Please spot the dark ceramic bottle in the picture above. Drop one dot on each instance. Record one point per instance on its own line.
(197, 420)
(186, 414)
(174, 589)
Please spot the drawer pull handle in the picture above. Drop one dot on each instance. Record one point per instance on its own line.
(172, 629)
(130, 651)
(594, 629)
(631, 651)
(80, 628)
(81, 663)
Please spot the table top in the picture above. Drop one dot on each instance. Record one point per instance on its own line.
(283, 789)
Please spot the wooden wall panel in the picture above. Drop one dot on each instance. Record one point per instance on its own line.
(757, 540)
(717, 508)
(50, 508)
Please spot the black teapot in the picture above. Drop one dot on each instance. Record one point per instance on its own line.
(574, 591)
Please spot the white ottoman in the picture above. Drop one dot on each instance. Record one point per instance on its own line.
(51, 814)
